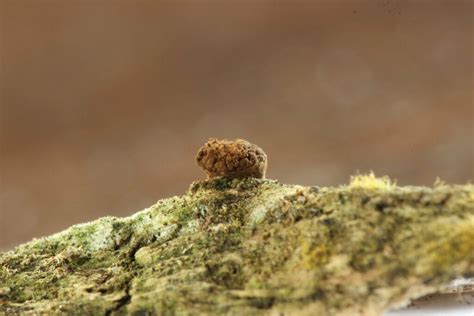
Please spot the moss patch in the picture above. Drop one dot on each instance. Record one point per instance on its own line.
(252, 246)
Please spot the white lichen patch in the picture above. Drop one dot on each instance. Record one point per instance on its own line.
(258, 214)
(191, 227)
(102, 238)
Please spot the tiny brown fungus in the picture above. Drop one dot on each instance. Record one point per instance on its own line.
(232, 158)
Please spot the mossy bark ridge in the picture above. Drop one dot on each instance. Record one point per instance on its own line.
(252, 247)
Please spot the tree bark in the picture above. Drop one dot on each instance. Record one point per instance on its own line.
(251, 247)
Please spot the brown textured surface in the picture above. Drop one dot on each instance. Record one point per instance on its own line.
(104, 103)
(232, 158)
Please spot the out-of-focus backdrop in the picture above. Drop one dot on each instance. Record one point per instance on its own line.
(104, 103)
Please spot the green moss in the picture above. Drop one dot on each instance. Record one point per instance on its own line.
(251, 246)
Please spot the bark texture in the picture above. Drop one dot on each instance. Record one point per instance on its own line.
(252, 247)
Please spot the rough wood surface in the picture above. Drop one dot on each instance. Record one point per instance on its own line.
(251, 247)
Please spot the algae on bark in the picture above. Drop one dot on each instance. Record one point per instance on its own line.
(251, 247)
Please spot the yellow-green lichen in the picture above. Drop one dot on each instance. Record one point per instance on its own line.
(371, 182)
(251, 246)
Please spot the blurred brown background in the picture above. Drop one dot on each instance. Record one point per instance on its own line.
(104, 103)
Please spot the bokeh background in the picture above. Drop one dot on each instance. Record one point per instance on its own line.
(105, 103)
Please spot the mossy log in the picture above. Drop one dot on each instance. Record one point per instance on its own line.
(252, 247)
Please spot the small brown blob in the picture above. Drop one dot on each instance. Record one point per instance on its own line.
(232, 158)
